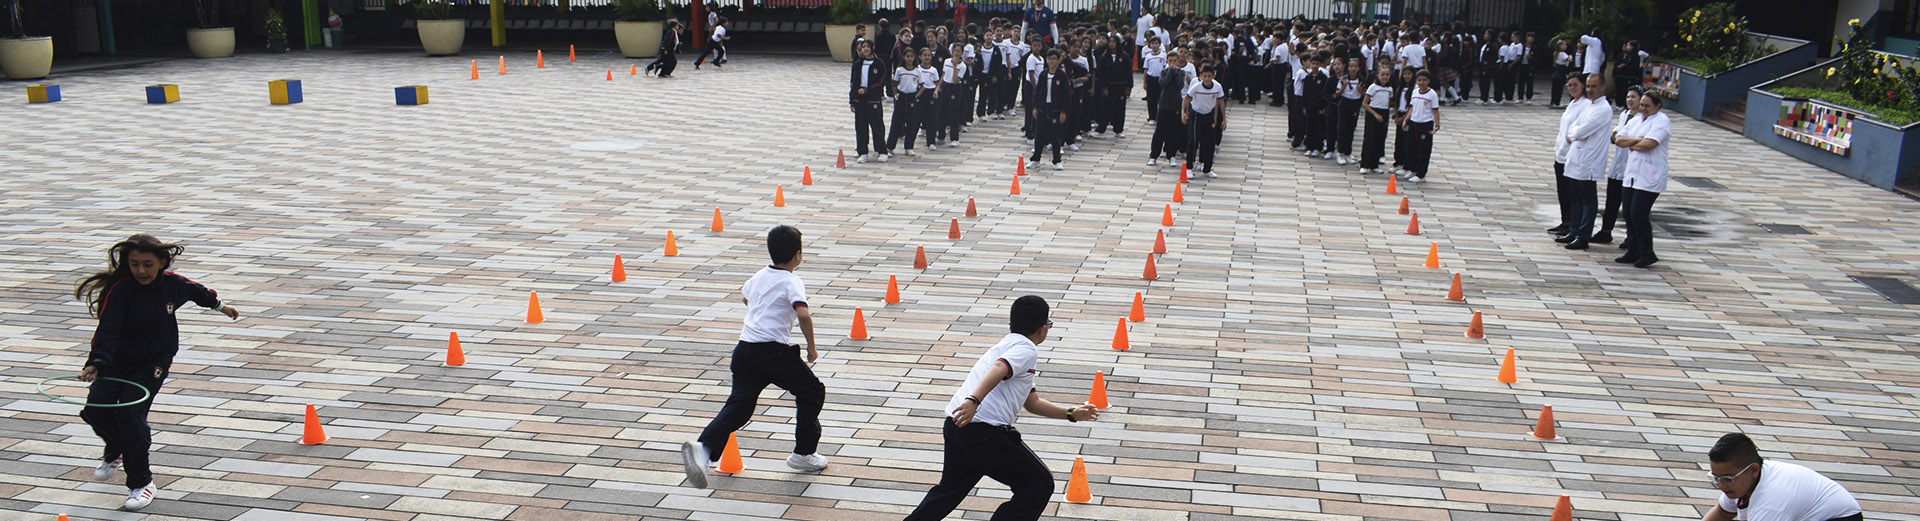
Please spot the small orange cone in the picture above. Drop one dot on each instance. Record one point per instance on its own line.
(1563, 511)
(859, 325)
(1166, 216)
(806, 176)
(893, 290)
(1507, 375)
(533, 308)
(1159, 241)
(1454, 294)
(62, 517)
(1020, 167)
(971, 212)
(1543, 429)
(455, 357)
(1120, 337)
(1413, 226)
(619, 269)
(1139, 312)
(314, 435)
(1403, 206)
(539, 59)
(1016, 186)
(1433, 255)
(716, 221)
(609, 74)
(1077, 484)
(503, 65)
(1179, 195)
(570, 56)
(953, 229)
(1183, 173)
(474, 73)
(1098, 398)
(633, 70)
(672, 248)
(1150, 273)
(779, 196)
(730, 462)
(920, 258)
(1473, 328)
(1393, 188)
(841, 162)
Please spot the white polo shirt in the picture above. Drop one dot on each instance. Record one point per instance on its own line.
(1001, 405)
(1647, 171)
(771, 296)
(1422, 105)
(1789, 492)
(1205, 98)
(1415, 55)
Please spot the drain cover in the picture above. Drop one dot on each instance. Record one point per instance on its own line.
(1698, 182)
(606, 146)
(1891, 288)
(1786, 229)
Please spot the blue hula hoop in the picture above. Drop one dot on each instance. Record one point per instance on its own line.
(145, 394)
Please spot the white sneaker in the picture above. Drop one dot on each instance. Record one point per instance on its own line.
(862, 159)
(1479, 102)
(807, 463)
(1416, 179)
(1029, 141)
(105, 470)
(1296, 148)
(1074, 147)
(694, 458)
(138, 498)
(1058, 166)
(1409, 176)
(954, 143)
(1099, 135)
(1211, 175)
(884, 157)
(931, 148)
(1328, 155)
(1120, 135)
(1340, 160)
(911, 154)
(1150, 162)
(1312, 153)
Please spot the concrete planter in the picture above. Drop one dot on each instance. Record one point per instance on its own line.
(210, 43)
(840, 41)
(1875, 152)
(639, 39)
(26, 58)
(442, 37)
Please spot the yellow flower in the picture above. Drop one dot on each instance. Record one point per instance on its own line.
(1854, 22)
(1830, 72)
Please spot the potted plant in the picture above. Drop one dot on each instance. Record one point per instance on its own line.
(845, 15)
(638, 27)
(276, 32)
(209, 39)
(440, 32)
(24, 57)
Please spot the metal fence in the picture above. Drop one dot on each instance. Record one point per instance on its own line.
(1477, 13)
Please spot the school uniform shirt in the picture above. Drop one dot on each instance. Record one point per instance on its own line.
(1390, 50)
(1300, 81)
(1366, 53)
(1627, 127)
(1193, 74)
(1422, 105)
(1509, 53)
(1562, 59)
(1153, 61)
(1350, 89)
(1596, 54)
(955, 73)
(1587, 155)
(907, 80)
(1001, 406)
(719, 34)
(1203, 98)
(1647, 171)
(869, 75)
(929, 77)
(1034, 66)
(1143, 26)
(1380, 97)
(1789, 492)
(137, 325)
(772, 294)
(1415, 55)
(1567, 117)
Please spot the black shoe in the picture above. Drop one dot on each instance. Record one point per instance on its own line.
(1623, 244)
(1564, 239)
(1578, 244)
(1628, 259)
(1559, 230)
(1647, 261)
(1604, 237)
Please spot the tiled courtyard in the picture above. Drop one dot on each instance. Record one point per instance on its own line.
(1297, 361)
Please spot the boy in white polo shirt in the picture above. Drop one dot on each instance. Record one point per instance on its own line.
(980, 439)
(775, 298)
(1753, 489)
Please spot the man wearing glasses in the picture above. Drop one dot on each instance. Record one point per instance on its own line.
(1753, 489)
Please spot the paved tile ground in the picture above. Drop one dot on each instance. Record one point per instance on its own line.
(1297, 361)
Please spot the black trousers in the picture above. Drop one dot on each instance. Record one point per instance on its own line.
(1375, 144)
(1349, 117)
(1236, 78)
(1559, 84)
(1153, 98)
(124, 430)
(981, 450)
(1203, 138)
(1640, 223)
(1616, 197)
(756, 365)
(903, 122)
(1585, 204)
(1169, 136)
(869, 126)
(953, 110)
(1282, 79)
(1420, 138)
(664, 64)
(930, 116)
(1563, 194)
(716, 49)
(989, 94)
(1505, 77)
(1297, 122)
(1316, 116)
(1114, 109)
(1523, 79)
(1048, 131)
(1401, 150)
(1486, 84)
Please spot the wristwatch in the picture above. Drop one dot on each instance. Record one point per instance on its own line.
(1070, 417)
(976, 401)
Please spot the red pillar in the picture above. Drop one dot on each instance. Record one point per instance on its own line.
(699, 25)
(912, 11)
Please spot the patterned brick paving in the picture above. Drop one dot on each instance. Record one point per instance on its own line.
(1297, 361)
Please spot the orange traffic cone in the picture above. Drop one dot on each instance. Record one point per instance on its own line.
(1098, 398)
(314, 435)
(1183, 173)
(730, 462)
(1393, 188)
(1150, 273)
(920, 257)
(1016, 186)
(1543, 429)
(859, 325)
(953, 229)
(716, 221)
(1433, 255)
(806, 176)
(672, 248)
(1139, 312)
(1020, 167)
(893, 290)
(779, 196)
(1179, 195)
(1403, 205)
(633, 70)
(570, 57)
(533, 308)
(619, 269)
(1159, 241)
(539, 59)
(1563, 511)
(61, 517)
(1454, 294)
(841, 162)
(474, 72)
(1473, 328)
(971, 211)
(1507, 375)
(503, 65)
(455, 357)
(1166, 216)
(1413, 226)
(1120, 337)
(609, 74)
(1077, 485)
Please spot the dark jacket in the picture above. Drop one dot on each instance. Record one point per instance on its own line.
(137, 327)
(669, 43)
(1316, 87)
(1116, 68)
(876, 82)
(1173, 86)
(1060, 84)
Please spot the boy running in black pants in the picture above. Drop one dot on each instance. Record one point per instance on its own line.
(775, 298)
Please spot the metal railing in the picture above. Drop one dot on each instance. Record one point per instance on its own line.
(1478, 13)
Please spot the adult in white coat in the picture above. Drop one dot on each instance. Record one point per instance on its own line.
(1595, 53)
(1629, 117)
(1576, 87)
(1646, 179)
(1587, 146)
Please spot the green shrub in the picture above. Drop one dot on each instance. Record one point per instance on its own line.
(849, 12)
(432, 9)
(1894, 115)
(641, 11)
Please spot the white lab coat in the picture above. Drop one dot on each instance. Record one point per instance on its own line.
(1587, 155)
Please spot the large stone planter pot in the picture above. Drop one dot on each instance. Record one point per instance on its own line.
(840, 41)
(26, 58)
(442, 37)
(639, 39)
(210, 43)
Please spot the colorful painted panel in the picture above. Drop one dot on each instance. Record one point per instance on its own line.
(1828, 128)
